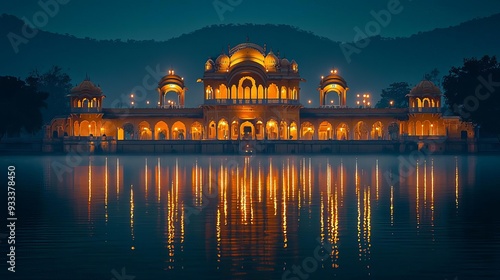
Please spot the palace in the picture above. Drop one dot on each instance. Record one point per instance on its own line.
(252, 94)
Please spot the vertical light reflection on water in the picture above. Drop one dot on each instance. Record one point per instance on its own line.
(146, 179)
(310, 186)
(456, 183)
(117, 178)
(376, 178)
(425, 186)
(90, 189)
(417, 204)
(132, 213)
(284, 202)
(106, 190)
(432, 199)
(392, 205)
(218, 236)
(341, 182)
(251, 191)
(158, 179)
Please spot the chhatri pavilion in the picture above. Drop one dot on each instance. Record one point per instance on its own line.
(252, 94)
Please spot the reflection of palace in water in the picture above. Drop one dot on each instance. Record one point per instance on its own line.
(256, 207)
(252, 93)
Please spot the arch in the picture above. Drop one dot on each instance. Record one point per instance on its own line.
(161, 131)
(284, 94)
(272, 129)
(332, 97)
(223, 130)
(377, 132)
(196, 131)
(272, 91)
(435, 129)
(426, 102)
(260, 92)
(284, 130)
(259, 130)
(212, 130)
(76, 129)
(419, 128)
(342, 132)
(85, 103)
(247, 131)
(93, 128)
(84, 128)
(293, 131)
(235, 128)
(307, 131)
(325, 131)
(109, 129)
(145, 131)
(209, 93)
(426, 129)
(393, 129)
(294, 94)
(222, 91)
(128, 131)
(178, 131)
(411, 128)
(419, 102)
(360, 131)
(234, 92)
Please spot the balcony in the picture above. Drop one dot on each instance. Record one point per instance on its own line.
(92, 110)
(251, 102)
(424, 110)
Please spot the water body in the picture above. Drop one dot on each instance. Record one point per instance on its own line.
(257, 217)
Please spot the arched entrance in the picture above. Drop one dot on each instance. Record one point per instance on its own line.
(325, 131)
(342, 132)
(161, 131)
(178, 131)
(247, 131)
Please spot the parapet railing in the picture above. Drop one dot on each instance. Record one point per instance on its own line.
(250, 101)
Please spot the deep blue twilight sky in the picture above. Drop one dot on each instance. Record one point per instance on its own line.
(164, 19)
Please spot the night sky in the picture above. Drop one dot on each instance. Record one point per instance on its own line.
(162, 20)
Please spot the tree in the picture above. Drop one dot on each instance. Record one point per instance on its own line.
(396, 92)
(433, 76)
(57, 84)
(21, 107)
(473, 92)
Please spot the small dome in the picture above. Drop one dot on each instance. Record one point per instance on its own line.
(425, 88)
(271, 60)
(86, 87)
(222, 62)
(285, 62)
(209, 65)
(294, 66)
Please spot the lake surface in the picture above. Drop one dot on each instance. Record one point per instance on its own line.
(257, 217)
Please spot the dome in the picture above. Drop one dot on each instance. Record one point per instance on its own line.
(86, 87)
(285, 62)
(271, 60)
(425, 88)
(222, 62)
(294, 65)
(333, 78)
(209, 65)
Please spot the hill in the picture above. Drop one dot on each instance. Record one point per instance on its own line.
(119, 66)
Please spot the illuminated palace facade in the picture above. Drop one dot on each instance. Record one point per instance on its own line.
(252, 94)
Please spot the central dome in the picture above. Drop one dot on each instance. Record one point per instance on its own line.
(246, 46)
(425, 88)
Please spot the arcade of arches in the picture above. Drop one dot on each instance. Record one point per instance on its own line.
(251, 93)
